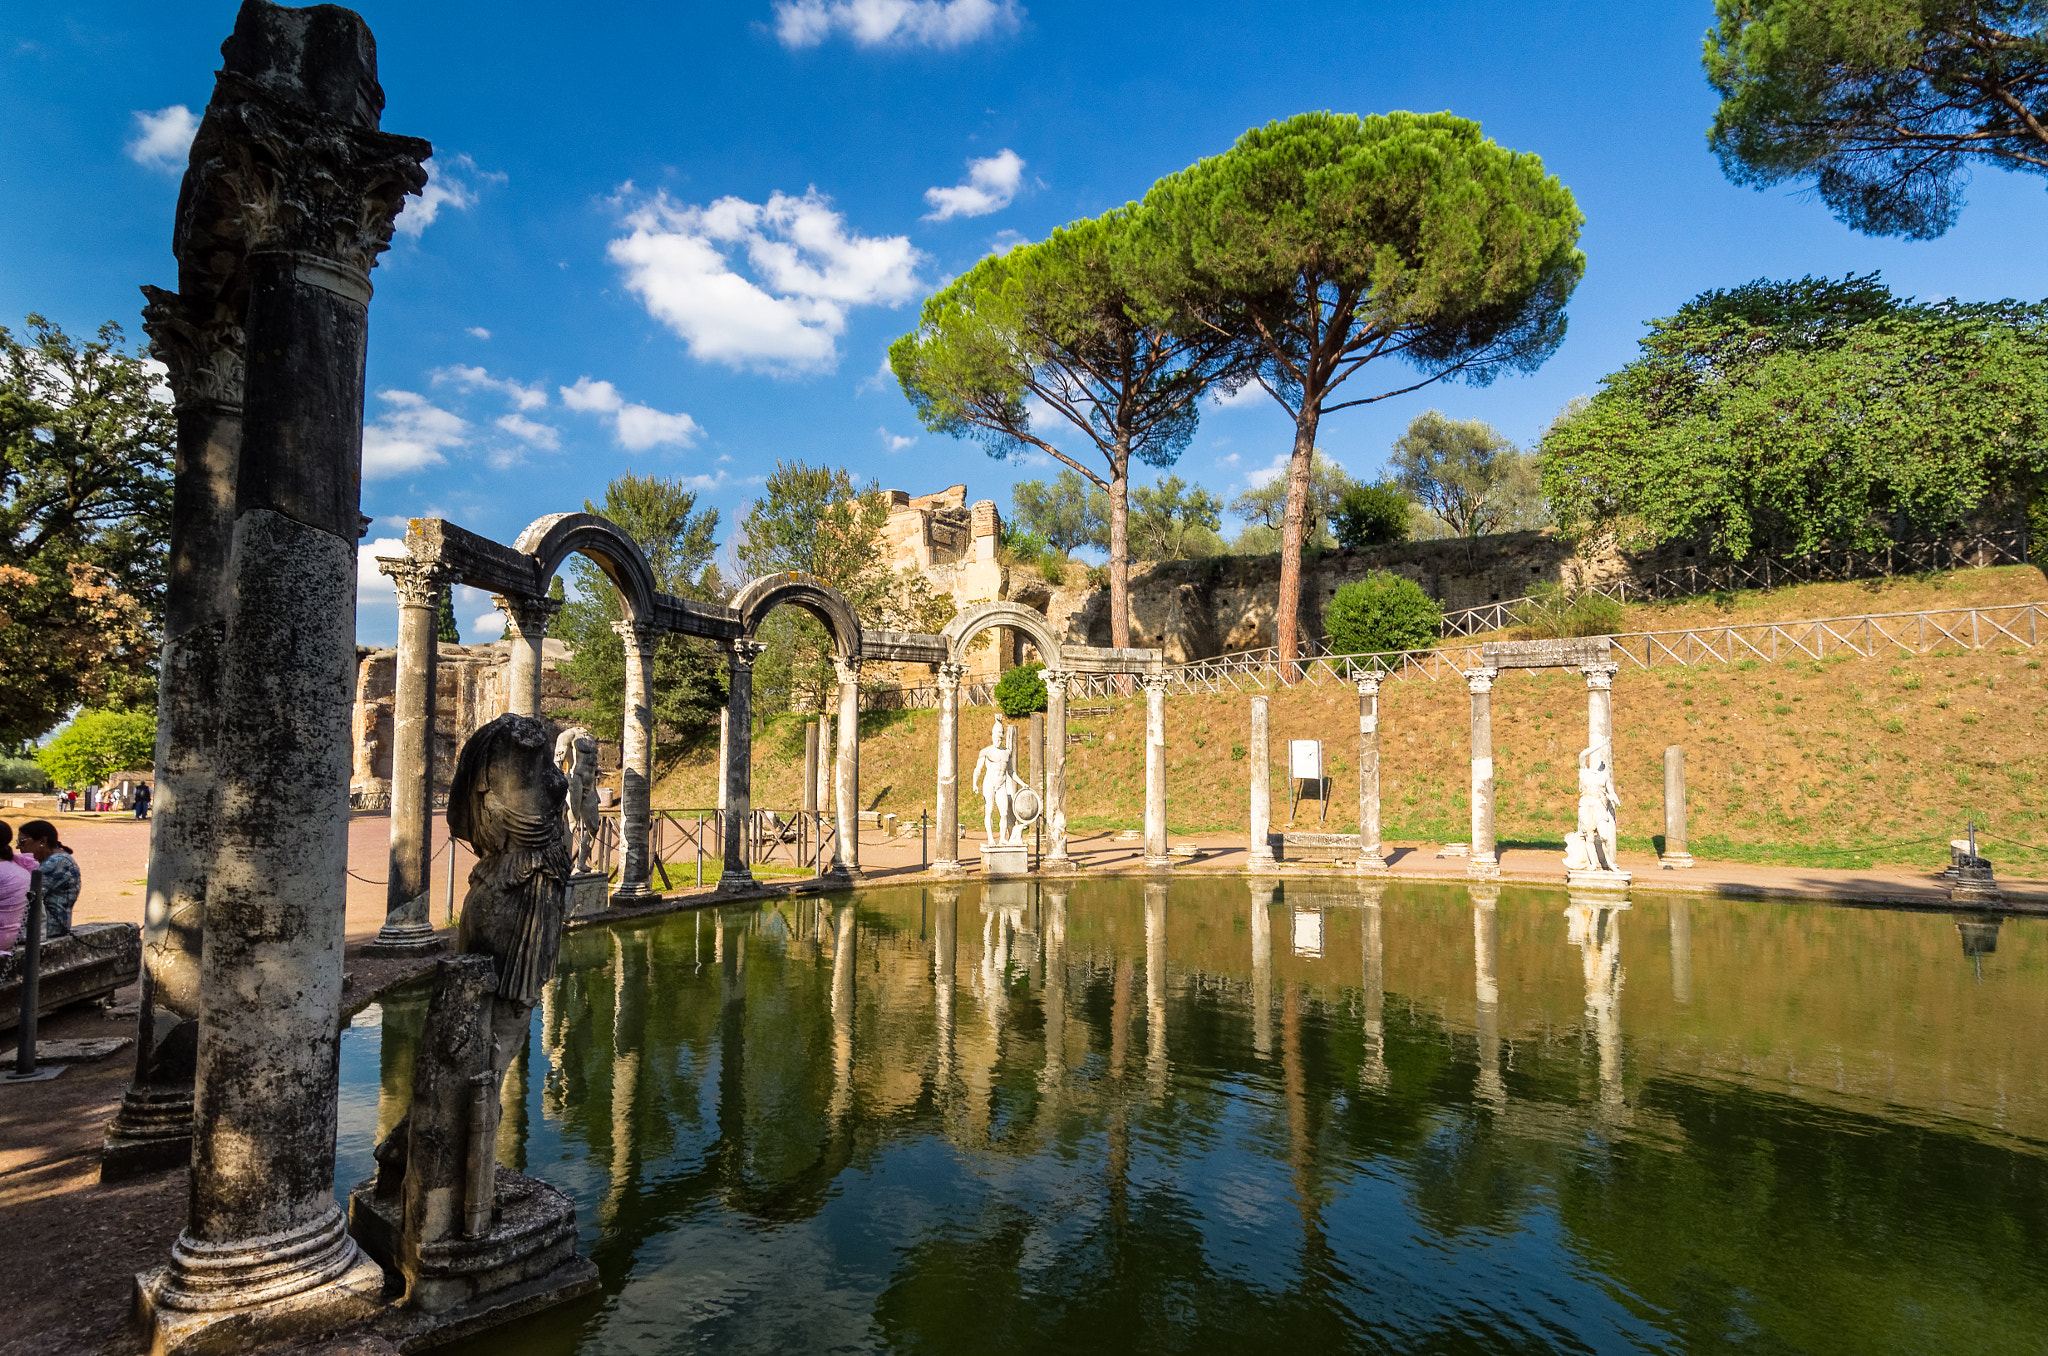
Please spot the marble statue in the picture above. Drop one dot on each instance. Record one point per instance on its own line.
(995, 777)
(1592, 847)
(576, 756)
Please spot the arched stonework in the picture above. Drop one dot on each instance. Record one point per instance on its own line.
(762, 596)
(967, 625)
(553, 539)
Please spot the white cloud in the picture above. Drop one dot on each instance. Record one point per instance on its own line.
(990, 185)
(1002, 242)
(1249, 393)
(895, 442)
(409, 437)
(447, 186)
(882, 379)
(486, 627)
(529, 432)
(477, 379)
(478, 332)
(366, 563)
(809, 271)
(163, 138)
(1261, 476)
(637, 427)
(877, 23)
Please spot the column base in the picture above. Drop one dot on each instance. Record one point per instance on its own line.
(1062, 865)
(736, 883)
(1975, 885)
(636, 893)
(1598, 882)
(1152, 863)
(1483, 867)
(1372, 864)
(1261, 859)
(841, 876)
(213, 1300)
(948, 869)
(152, 1131)
(407, 938)
(1676, 861)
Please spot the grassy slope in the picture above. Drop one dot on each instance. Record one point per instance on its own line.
(1840, 763)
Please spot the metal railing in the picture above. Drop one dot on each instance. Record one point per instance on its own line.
(686, 846)
(1977, 552)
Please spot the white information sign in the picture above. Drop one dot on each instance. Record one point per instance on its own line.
(1305, 759)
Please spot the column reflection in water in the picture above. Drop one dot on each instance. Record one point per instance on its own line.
(1594, 926)
(1372, 1070)
(1053, 899)
(1155, 985)
(1486, 984)
(629, 1014)
(1681, 951)
(405, 1016)
(1262, 968)
(844, 952)
(945, 946)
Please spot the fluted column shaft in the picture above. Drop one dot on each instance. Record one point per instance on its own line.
(948, 860)
(739, 761)
(1485, 860)
(846, 773)
(406, 925)
(1056, 686)
(1156, 856)
(636, 761)
(1370, 858)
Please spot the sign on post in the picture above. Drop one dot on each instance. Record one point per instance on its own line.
(1305, 773)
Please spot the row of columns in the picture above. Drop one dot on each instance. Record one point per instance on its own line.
(1370, 858)
(737, 745)
(1485, 860)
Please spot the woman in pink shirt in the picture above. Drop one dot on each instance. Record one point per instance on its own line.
(13, 888)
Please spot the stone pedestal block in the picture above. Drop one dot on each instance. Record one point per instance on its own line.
(352, 1296)
(1598, 882)
(1005, 859)
(526, 1261)
(587, 894)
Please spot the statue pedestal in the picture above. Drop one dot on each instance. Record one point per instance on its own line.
(526, 1262)
(587, 894)
(1597, 882)
(1005, 859)
(1675, 861)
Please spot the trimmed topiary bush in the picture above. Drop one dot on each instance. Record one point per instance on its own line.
(1021, 691)
(1381, 613)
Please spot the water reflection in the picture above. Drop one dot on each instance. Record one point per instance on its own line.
(817, 1125)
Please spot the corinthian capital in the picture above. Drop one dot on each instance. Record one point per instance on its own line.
(419, 582)
(847, 669)
(951, 674)
(528, 616)
(741, 654)
(1480, 680)
(1600, 677)
(639, 635)
(1158, 682)
(200, 340)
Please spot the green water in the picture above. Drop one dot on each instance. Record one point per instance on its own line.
(1208, 1117)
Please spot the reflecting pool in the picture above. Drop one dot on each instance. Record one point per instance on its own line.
(1296, 1117)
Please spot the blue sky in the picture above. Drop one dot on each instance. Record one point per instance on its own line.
(679, 238)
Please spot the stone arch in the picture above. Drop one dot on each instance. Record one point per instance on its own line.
(975, 620)
(553, 539)
(762, 596)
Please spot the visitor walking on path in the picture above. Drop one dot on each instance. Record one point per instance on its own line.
(142, 801)
(61, 879)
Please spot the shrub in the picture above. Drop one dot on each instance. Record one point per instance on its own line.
(21, 774)
(97, 744)
(1021, 691)
(1381, 613)
(1550, 613)
(1371, 515)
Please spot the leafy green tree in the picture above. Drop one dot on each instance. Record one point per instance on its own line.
(814, 519)
(1371, 515)
(1381, 614)
(1468, 474)
(688, 682)
(1174, 520)
(445, 630)
(1021, 690)
(1882, 107)
(1265, 506)
(1326, 243)
(97, 744)
(1796, 415)
(1067, 512)
(86, 451)
(1058, 324)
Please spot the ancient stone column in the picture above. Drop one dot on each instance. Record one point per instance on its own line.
(526, 622)
(1600, 708)
(1156, 856)
(846, 773)
(407, 929)
(1056, 858)
(739, 761)
(1676, 855)
(636, 760)
(1261, 845)
(1485, 860)
(199, 339)
(1370, 859)
(724, 746)
(947, 862)
(824, 779)
(265, 1253)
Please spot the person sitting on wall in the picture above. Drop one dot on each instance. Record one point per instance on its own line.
(13, 889)
(40, 850)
